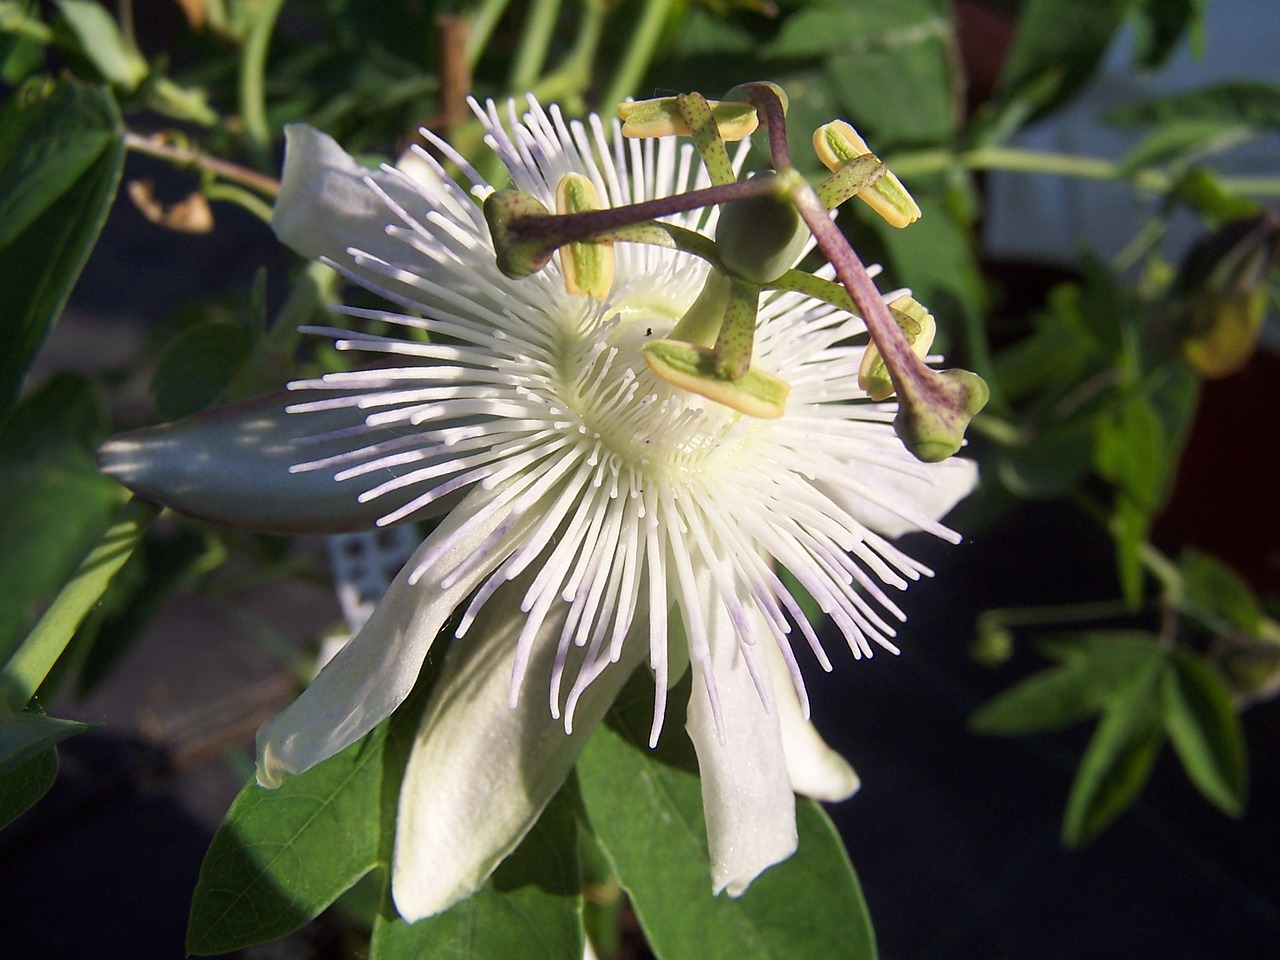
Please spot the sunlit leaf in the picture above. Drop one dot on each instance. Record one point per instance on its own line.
(646, 810)
(531, 909)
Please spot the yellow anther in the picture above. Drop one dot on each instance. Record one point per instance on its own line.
(917, 325)
(692, 368)
(836, 143)
(661, 118)
(587, 266)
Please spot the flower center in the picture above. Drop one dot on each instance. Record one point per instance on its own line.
(647, 424)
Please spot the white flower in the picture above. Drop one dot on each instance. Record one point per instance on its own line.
(597, 517)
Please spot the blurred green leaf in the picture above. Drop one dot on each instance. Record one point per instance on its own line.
(1246, 103)
(1205, 731)
(1130, 524)
(834, 26)
(61, 153)
(1094, 668)
(56, 504)
(1182, 141)
(1216, 594)
(21, 787)
(39, 652)
(281, 856)
(24, 736)
(197, 366)
(1161, 24)
(646, 810)
(1057, 47)
(531, 909)
(1053, 462)
(901, 95)
(1201, 190)
(1119, 757)
(1129, 449)
(101, 41)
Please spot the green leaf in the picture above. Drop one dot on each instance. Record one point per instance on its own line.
(833, 26)
(56, 504)
(1053, 462)
(901, 95)
(61, 153)
(1247, 103)
(101, 41)
(1057, 47)
(1129, 450)
(1094, 669)
(281, 856)
(531, 909)
(646, 810)
(1205, 731)
(1182, 140)
(1130, 524)
(1162, 23)
(1119, 757)
(25, 736)
(1217, 595)
(197, 366)
(22, 787)
(37, 654)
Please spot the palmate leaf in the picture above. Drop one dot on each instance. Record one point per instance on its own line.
(645, 808)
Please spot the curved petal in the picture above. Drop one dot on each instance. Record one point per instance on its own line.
(813, 768)
(481, 771)
(930, 496)
(373, 673)
(746, 794)
(231, 465)
(325, 205)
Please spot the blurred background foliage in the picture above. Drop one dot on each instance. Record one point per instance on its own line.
(1096, 371)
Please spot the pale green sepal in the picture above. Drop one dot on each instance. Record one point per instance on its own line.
(692, 368)
(933, 415)
(661, 118)
(231, 465)
(746, 791)
(481, 772)
(377, 669)
(813, 768)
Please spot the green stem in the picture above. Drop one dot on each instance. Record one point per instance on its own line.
(31, 662)
(190, 157)
(253, 65)
(241, 197)
(482, 24)
(1016, 160)
(535, 41)
(640, 49)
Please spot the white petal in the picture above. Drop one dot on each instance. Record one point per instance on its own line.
(813, 768)
(373, 673)
(931, 496)
(746, 794)
(481, 772)
(325, 205)
(231, 465)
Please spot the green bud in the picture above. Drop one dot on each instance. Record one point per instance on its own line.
(760, 238)
(934, 412)
(519, 253)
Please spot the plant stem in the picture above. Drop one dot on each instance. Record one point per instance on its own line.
(1017, 160)
(191, 157)
(535, 40)
(253, 65)
(640, 49)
